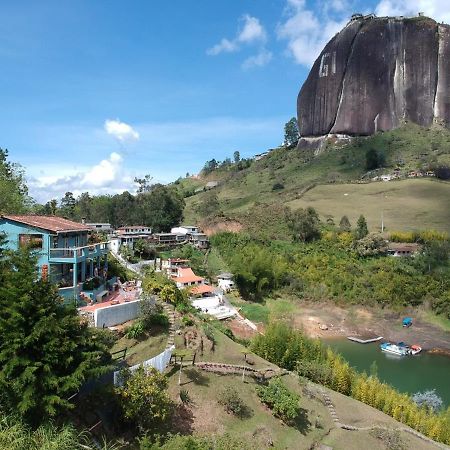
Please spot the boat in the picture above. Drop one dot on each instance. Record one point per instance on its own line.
(415, 349)
(394, 349)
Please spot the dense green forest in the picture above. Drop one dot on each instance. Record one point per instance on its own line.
(340, 267)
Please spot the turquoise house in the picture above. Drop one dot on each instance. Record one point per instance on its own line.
(64, 255)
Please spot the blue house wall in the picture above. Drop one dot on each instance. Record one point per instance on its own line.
(62, 253)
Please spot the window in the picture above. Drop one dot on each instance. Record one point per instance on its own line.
(31, 241)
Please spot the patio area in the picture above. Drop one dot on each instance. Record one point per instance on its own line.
(214, 305)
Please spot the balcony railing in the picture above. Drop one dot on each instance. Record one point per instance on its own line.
(79, 253)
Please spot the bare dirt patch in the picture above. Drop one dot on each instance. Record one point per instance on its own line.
(225, 225)
(240, 329)
(327, 320)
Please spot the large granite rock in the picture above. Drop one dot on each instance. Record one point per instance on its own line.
(376, 74)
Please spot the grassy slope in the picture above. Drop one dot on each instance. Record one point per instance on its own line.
(207, 416)
(245, 195)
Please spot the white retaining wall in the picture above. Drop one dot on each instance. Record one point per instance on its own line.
(112, 315)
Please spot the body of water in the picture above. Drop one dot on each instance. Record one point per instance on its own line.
(408, 373)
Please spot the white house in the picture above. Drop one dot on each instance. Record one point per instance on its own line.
(128, 235)
(184, 229)
(225, 281)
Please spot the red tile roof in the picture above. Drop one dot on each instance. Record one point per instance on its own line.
(186, 275)
(51, 223)
(202, 289)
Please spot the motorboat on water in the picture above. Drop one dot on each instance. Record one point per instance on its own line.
(400, 349)
(394, 349)
(415, 349)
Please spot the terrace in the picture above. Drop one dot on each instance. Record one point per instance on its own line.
(78, 254)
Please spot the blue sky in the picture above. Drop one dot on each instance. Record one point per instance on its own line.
(94, 93)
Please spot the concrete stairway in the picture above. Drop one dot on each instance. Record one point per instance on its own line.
(170, 311)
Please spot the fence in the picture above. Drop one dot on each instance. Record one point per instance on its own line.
(159, 362)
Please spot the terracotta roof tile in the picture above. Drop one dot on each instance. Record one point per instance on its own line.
(51, 223)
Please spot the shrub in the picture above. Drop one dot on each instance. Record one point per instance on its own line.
(429, 399)
(144, 398)
(136, 330)
(185, 397)
(232, 402)
(283, 403)
(187, 321)
(390, 438)
(277, 186)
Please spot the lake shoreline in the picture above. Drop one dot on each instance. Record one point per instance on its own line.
(326, 320)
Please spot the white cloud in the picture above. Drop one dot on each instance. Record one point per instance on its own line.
(307, 31)
(106, 177)
(224, 46)
(259, 60)
(437, 9)
(250, 32)
(121, 130)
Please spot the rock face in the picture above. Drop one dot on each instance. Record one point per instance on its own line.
(376, 74)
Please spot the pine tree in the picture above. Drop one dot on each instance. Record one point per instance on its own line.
(361, 228)
(344, 224)
(46, 353)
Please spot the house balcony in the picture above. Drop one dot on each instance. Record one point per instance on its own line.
(78, 254)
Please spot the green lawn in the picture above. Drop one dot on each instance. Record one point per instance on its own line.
(406, 205)
(147, 347)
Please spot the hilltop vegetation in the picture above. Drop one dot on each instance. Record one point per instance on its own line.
(287, 176)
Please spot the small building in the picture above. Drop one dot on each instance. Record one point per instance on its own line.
(99, 227)
(128, 235)
(64, 256)
(225, 281)
(171, 265)
(165, 238)
(399, 249)
(199, 240)
(184, 229)
(211, 184)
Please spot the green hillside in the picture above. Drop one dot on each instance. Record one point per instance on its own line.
(298, 178)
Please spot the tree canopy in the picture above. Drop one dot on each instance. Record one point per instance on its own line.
(46, 353)
(13, 189)
(291, 132)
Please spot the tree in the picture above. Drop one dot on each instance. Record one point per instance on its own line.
(209, 166)
(361, 228)
(236, 157)
(144, 184)
(46, 352)
(161, 208)
(68, 203)
(144, 398)
(291, 132)
(13, 189)
(344, 224)
(374, 159)
(429, 399)
(304, 224)
(171, 294)
(371, 245)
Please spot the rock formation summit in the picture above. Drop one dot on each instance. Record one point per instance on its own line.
(376, 74)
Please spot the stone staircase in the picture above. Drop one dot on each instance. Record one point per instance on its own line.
(170, 311)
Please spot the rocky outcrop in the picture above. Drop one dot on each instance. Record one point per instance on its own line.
(376, 74)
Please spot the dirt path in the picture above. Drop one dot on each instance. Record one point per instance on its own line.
(325, 320)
